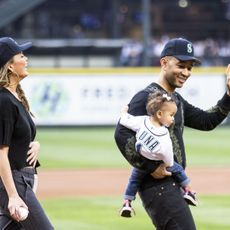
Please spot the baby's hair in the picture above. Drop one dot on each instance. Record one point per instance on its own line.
(156, 100)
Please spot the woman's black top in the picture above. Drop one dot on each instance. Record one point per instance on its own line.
(17, 129)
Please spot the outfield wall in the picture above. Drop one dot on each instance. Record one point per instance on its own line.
(85, 97)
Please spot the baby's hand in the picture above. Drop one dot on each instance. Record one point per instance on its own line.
(125, 109)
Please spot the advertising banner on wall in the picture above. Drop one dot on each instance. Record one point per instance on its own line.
(85, 98)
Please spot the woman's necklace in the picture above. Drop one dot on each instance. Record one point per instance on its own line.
(13, 92)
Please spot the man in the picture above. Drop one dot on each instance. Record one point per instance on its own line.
(161, 195)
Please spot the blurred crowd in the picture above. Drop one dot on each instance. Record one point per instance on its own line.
(212, 52)
(204, 22)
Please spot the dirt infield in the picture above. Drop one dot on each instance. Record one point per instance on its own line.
(72, 183)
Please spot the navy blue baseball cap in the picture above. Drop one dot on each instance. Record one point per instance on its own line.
(181, 49)
(9, 47)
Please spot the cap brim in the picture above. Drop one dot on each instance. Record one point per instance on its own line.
(187, 58)
(25, 46)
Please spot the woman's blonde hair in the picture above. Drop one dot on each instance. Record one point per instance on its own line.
(5, 82)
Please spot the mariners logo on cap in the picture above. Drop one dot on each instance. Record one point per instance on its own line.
(189, 48)
(180, 48)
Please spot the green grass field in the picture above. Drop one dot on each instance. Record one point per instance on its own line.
(101, 213)
(95, 148)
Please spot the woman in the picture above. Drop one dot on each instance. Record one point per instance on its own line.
(18, 149)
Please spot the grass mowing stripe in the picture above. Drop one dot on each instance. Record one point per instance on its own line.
(94, 213)
(213, 213)
(79, 148)
(207, 148)
(96, 148)
(101, 213)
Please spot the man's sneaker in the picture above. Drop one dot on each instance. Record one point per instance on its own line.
(190, 198)
(127, 210)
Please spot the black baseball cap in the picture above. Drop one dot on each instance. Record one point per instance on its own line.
(181, 49)
(9, 47)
